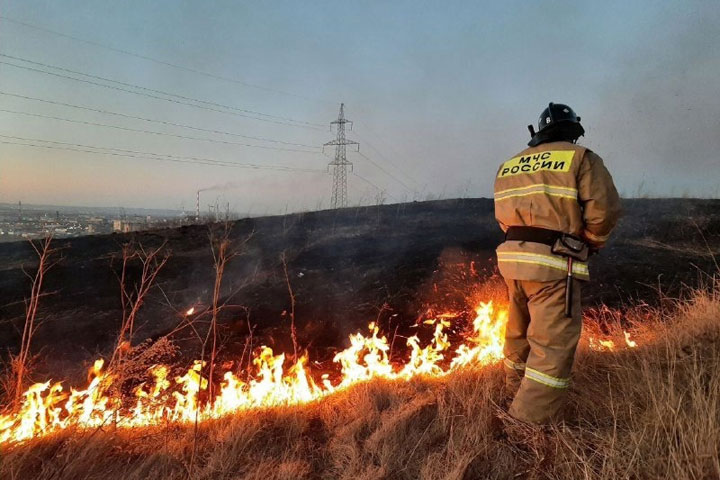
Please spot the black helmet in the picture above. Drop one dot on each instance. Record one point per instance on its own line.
(556, 113)
(556, 122)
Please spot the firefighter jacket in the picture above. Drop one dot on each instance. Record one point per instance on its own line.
(558, 186)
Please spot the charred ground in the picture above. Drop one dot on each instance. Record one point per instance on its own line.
(345, 268)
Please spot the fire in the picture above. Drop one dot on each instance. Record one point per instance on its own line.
(609, 345)
(630, 343)
(46, 408)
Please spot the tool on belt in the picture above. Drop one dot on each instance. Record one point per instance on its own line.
(567, 245)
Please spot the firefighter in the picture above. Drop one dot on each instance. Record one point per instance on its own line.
(556, 203)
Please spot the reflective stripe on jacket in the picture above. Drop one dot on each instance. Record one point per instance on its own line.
(559, 186)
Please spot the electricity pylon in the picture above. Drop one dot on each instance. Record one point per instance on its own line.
(340, 163)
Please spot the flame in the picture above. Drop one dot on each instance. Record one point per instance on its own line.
(190, 311)
(609, 345)
(46, 408)
(630, 343)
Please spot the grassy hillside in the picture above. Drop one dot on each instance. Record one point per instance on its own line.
(646, 412)
(651, 411)
(346, 267)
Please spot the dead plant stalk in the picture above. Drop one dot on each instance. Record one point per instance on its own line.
(20, 362)
(220, 245)
(152, 262)
(293, 332)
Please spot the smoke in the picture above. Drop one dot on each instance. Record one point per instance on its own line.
(220, 186)
(657, 116)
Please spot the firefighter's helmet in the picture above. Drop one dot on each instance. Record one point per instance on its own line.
(556, 113)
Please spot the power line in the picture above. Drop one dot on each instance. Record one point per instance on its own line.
(78, 147)
(176, 101)
(385, 171)
(379, 167)
(162, 62)
(111, 87)
(147, 89)
(163, 122)
(179, 102)
(152, 132)
(196, 71)
(168, 159)
(381, 190)
(387, 160)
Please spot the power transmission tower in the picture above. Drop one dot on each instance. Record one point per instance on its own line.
(340, 163)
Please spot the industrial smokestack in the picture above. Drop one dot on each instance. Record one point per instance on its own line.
(197, 208)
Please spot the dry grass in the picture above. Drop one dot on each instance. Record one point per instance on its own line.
(648, 412)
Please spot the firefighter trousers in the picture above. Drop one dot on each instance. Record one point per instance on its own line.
(540, 344)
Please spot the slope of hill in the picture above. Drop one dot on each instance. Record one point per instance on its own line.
(645, 411)
(344, 267)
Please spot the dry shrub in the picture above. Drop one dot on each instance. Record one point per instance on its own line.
(20, 364)
(134, 293)
(647, 412)
(132, 367)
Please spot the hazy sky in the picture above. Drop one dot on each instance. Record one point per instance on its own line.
(441, 93)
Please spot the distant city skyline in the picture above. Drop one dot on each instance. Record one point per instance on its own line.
(440, 94)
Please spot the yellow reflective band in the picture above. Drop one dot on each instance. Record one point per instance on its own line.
(554, 187)
(557, 263)
(513, 365)
(546, 379)
(550, 161)
(538, 188)
(562, 195)
(596, 238)
(576, 270)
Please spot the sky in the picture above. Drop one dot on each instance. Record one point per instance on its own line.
(440, 94)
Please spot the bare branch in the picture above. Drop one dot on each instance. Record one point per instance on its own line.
(20, 362)
(293, 332)
(152, 263)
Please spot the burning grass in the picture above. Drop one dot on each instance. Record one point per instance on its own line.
(652, 411)
(47, 408)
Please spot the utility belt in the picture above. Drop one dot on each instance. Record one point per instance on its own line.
(569, 246)
(564, 244)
